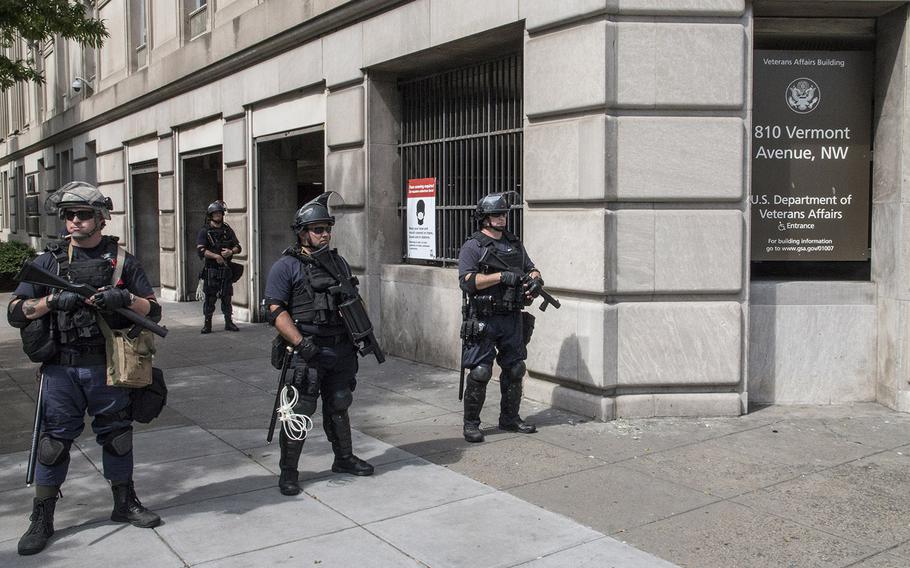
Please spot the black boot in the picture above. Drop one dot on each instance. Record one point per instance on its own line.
(337, 428)
(128, 509)
(509, 420)
(229, 324)
(207, 326)
(42, 528)
(290, 456)
(475, 393)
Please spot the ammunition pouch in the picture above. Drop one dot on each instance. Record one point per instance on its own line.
(147, 403)
(472, 330)
(486, 306)
(38, 341)
(513, 298)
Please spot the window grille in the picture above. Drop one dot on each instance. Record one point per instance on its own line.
(464, 128)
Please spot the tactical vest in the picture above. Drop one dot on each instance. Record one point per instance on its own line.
(217, 238)
(312, 304)
(79, 327)
(498, 298)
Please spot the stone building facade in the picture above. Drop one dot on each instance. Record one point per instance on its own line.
(633, 161)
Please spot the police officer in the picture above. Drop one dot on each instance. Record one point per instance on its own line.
(75, 374)
(495, 299)
(217, 244)
(305, 312)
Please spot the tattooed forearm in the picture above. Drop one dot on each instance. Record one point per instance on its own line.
(30, 307)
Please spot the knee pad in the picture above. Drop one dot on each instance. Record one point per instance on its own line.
(341, 400)
(481, 373)
(53, 451)
(119, 442)
(515, 373)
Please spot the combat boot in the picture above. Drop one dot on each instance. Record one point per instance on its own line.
(207, 326)
(509, 420)
(475, 393)
(338, 430)
(128, 508)
(42, 527)
(229, 324)
(290, 456)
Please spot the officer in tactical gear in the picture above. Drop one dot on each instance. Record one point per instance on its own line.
(217, 244)
(303, 305)
(496, 326)
(74, 367)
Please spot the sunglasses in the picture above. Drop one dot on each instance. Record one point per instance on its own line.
(320, 230)
(82, 214)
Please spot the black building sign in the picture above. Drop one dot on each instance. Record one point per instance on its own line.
(811, 138)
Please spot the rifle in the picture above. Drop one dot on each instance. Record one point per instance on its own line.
(36, 432)
(491, 260)
(38, 276)
(281, 381)
(353, 312)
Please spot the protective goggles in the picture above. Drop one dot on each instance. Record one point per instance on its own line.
(320, 230)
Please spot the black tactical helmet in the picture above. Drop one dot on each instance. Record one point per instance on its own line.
(216, 207)
(78, 194)
(495, 203)
(314, 211)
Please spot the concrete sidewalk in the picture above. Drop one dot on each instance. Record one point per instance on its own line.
(779, 487)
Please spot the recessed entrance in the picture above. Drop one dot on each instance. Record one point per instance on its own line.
(290, 171)
(202, 184)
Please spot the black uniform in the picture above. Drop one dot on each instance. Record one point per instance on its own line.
(506, 330)
(217, 278)
(301, 286)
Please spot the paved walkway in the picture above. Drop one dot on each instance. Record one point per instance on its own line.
(782, 486)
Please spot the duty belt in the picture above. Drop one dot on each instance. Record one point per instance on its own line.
(88, 356)
(490, 306)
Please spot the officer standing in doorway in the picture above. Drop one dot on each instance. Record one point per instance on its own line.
(498, 279)
(217, 244)
(305, 306)
(74, 361)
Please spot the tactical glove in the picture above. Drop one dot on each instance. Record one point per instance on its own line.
(65, 301)
(534, 286)
(509, 278)
(112, 299)
(306, 349)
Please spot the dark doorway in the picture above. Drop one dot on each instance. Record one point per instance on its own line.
(291, 171)
(144, 184)
(202, 179)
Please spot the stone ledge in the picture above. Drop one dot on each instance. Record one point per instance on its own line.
(435, 276)
(587, 404)
(815, 293)
(684, 404)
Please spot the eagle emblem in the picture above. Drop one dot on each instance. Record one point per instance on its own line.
(803, 95)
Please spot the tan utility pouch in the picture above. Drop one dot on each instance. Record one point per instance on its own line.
(129, 361)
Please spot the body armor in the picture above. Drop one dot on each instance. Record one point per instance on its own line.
(500, 298)
(79, 327)
(312, 303)
(218, 238)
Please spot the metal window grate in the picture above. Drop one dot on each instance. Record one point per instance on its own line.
(464, 128)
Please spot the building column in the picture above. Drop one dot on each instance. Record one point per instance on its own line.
(642, 164)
